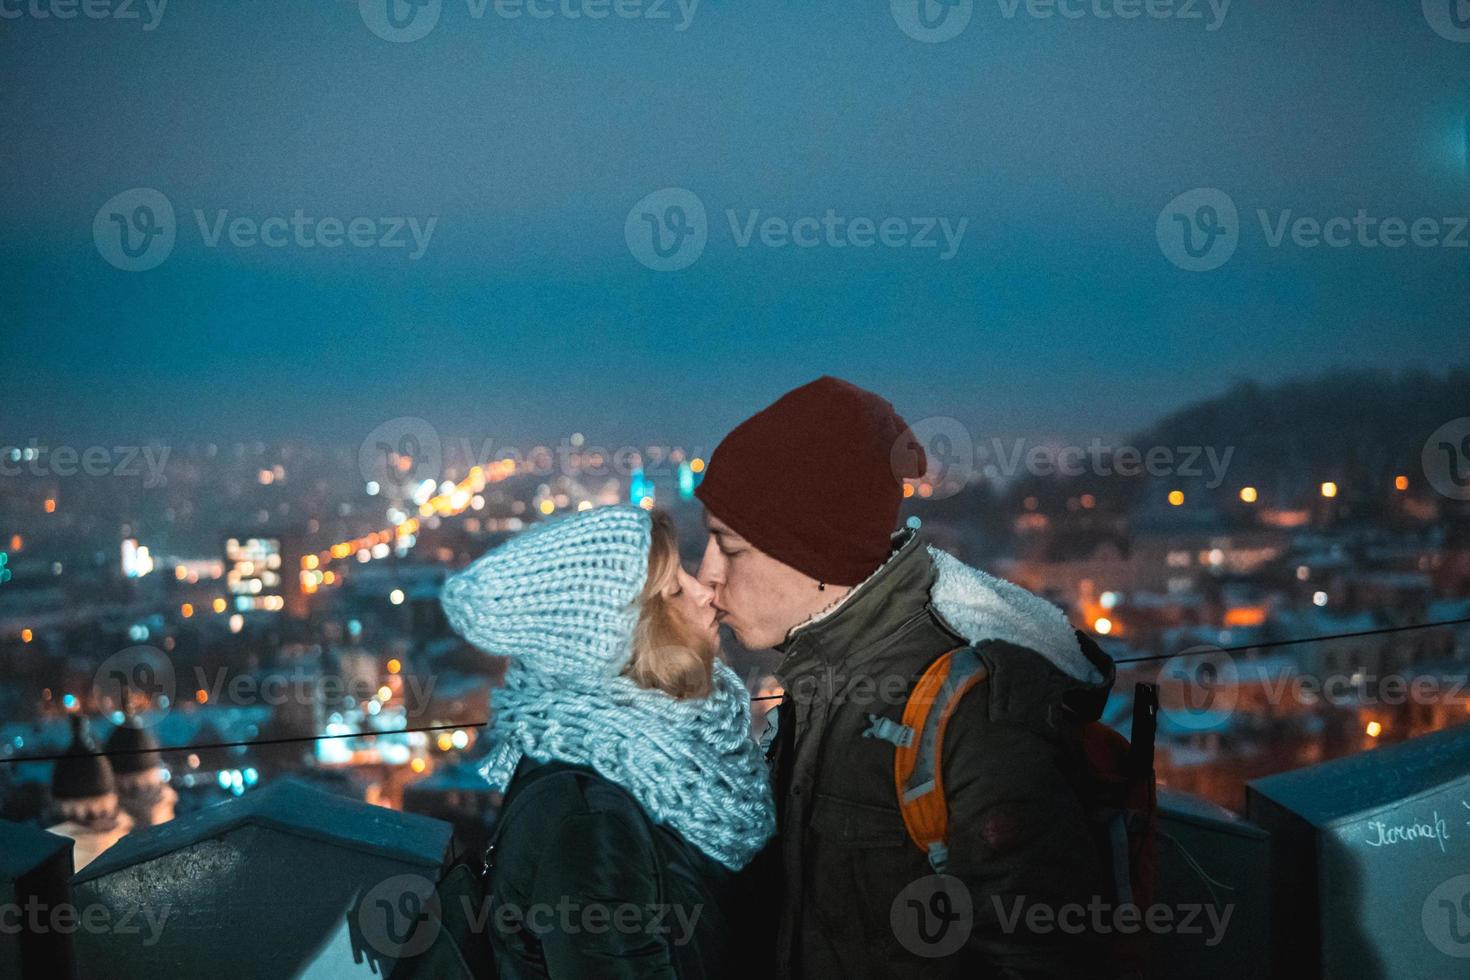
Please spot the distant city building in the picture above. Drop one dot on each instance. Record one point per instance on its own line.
(255, 574)
(84, 800)
(137, 767)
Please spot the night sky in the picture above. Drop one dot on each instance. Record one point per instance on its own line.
(1058, 141)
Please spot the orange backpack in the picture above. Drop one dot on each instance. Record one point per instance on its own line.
(1118, 785)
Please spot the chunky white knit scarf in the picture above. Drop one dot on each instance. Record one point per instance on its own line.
(690, 763)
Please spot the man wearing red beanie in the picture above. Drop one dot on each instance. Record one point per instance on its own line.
(804, 554)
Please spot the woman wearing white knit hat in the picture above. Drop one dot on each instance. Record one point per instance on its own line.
(632, 788)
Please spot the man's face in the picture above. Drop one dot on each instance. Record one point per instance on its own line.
(758, 597)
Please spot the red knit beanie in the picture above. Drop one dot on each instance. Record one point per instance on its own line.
(815, 480)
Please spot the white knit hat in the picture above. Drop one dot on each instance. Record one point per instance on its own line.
(563, 593)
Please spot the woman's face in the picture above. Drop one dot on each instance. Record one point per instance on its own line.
(693, 603)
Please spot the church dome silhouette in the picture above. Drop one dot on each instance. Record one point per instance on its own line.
(81, 774)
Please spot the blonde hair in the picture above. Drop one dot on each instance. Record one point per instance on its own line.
(669, 655)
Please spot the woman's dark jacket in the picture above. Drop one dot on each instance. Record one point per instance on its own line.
(582, 884)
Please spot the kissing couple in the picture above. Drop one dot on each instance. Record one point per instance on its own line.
(644, 833)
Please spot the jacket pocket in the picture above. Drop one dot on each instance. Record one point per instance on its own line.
(859, 859)
(857, 824)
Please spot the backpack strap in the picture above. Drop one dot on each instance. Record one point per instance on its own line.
(918, 765)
